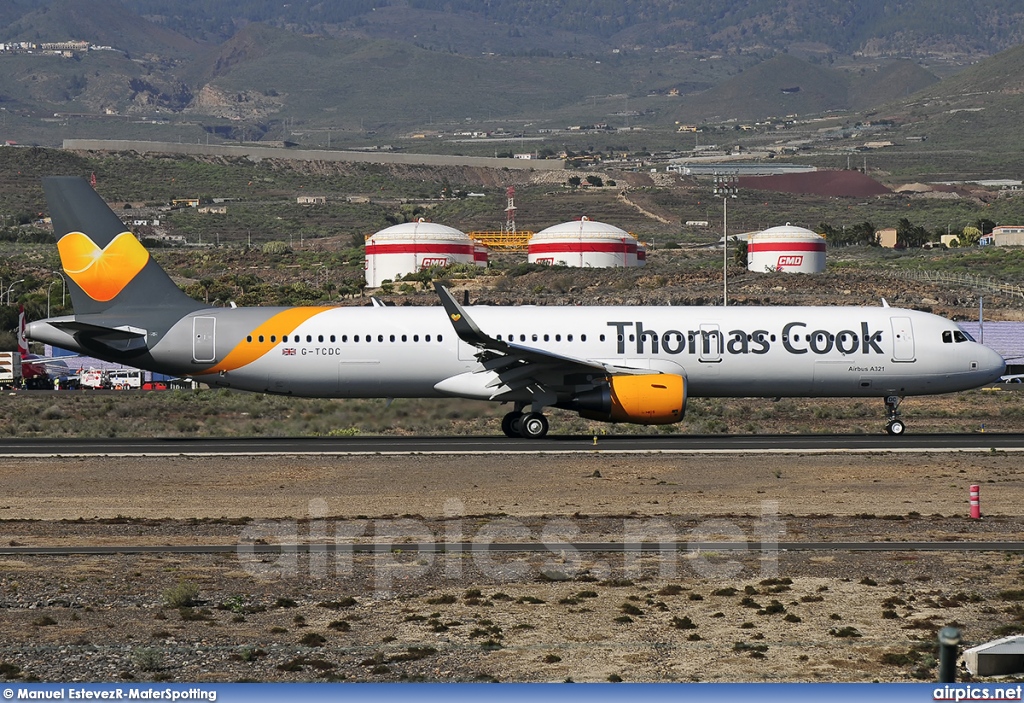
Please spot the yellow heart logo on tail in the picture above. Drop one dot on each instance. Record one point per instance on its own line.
(102, 273)
(456, 317)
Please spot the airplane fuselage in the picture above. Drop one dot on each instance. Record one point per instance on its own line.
(737, 351)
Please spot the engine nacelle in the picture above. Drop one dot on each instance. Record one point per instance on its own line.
(650, 399)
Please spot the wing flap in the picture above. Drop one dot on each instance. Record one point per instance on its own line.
(513, 370)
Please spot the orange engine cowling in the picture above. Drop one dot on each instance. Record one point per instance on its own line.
(650, 399)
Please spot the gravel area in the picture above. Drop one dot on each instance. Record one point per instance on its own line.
(549, 616)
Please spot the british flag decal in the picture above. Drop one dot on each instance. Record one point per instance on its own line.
(288, 351)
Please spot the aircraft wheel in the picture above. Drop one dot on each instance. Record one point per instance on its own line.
(533, 426)
(895, 427)
(510, 424)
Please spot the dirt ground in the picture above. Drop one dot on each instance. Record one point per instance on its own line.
(551, 615)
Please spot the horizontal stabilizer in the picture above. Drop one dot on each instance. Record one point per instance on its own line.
(121, 340)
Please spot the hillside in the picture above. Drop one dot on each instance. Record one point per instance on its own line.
(356, 77)
(102, 22)
(818, 27)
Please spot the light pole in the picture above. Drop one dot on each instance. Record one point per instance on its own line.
(63, 290)
(725, 186)
(48, 289)
(11, 287)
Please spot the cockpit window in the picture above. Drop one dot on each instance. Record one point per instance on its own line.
(959, 336)
(947, 337)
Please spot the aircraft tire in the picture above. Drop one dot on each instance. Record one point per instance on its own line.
(510, 424)
(895, 427)
(533, 426)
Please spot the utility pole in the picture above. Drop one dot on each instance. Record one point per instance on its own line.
(725, 187)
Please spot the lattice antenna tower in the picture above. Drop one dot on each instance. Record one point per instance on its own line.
(510, 211)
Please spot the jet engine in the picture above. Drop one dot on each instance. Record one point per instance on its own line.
(649, 399)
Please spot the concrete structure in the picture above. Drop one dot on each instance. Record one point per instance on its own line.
(257, 153)
(414, 246)
(311, 200)
(1002, 657)
(786, 248)
(583, 243)
(1008, 235)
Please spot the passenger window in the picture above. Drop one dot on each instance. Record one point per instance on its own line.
(355, 338)
(261, 338)
(249, 338)
(415, 338)
(309, 338)
(405, 338)
(427, 338)
(568, 337)
(583, 337)
(558, 338)
(273, 338)
(439, 338)
(392, 338)
(333, 338)
(320, 338)
(284, 338)
(344, 338)
(380, 338)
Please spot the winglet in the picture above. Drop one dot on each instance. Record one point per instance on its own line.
(464, 326)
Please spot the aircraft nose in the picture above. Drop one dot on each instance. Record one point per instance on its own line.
(993, 364)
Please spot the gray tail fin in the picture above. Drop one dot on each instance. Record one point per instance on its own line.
(109, 272)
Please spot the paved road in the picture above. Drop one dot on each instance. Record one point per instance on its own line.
(249, 446)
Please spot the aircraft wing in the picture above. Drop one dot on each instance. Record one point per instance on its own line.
(509, 367)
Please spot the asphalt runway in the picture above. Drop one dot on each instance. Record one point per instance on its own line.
(519, 547)
(385, 445)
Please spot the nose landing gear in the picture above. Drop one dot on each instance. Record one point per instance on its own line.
(894, 425)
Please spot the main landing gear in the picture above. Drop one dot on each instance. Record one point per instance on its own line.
(532, 425)
(894, 425)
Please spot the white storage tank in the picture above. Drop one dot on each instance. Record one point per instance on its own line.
(414, 246)
(786, 248)
(583, 243)
(481, 254)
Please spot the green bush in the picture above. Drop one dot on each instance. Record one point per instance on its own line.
(185, 594)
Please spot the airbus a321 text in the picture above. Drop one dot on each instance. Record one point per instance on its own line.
(615, 364)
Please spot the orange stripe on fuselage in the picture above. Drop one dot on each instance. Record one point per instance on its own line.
(280, 324)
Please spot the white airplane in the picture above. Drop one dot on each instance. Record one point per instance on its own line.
(615, 364)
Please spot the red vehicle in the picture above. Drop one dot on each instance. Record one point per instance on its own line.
(154, 386)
